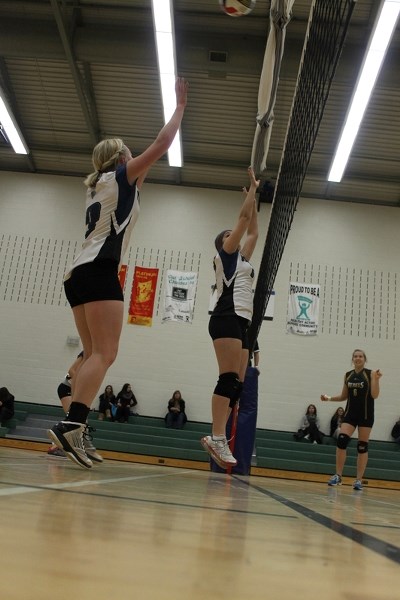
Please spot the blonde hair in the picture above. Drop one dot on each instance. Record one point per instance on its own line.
(106, 154)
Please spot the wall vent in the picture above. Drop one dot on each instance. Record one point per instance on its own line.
(218, 56)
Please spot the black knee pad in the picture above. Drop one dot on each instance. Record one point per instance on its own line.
(343, 441)
(227, 386)
(362, 447)
(237, 394)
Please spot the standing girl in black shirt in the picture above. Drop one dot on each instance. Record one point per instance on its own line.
(360, 389)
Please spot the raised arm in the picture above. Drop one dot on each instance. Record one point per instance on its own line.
(252, 234)
(375, 377)
(137, 167)
(247, 221)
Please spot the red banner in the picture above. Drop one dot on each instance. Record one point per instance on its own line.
(122, 275)
(143, 295)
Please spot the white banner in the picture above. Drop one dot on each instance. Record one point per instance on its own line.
(303, 308)
(180, 292)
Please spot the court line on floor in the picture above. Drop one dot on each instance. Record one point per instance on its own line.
(65, 488)
(378, 525)
(23, 488)
(366, 540)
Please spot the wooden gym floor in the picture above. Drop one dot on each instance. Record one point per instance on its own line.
(125, 530)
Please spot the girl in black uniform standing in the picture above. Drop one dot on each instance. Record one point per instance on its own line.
(360, 389)
(230, 320)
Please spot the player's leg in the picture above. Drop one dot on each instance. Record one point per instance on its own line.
(244, 361)
(64, 394)
(99, 326)
(362, 455)
(346, 431)
(228, 352)
(102, 320)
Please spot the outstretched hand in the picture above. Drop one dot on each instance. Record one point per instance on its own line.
(181, 90)
(254, 183)
(324, 398)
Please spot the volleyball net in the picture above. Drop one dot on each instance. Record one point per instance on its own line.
(326, 33)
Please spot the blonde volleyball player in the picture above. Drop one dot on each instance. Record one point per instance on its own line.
(91, 284)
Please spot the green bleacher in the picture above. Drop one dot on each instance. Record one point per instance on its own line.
(276, 450)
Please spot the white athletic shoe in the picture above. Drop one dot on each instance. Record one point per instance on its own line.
(88, 445)
(68, 436)
(219, 451)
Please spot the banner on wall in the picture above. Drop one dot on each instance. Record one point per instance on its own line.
(143, 294)
(122, 275)
(180, 292)
(303, 308)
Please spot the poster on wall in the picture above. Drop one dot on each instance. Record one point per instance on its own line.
(303, 308)
(143, 294)
(180, 292)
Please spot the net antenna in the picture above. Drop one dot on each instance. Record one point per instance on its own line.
(279, 16)
(326, 32)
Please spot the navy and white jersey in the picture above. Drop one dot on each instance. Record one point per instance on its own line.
(234, 277)
(360, 403)
(112, 209)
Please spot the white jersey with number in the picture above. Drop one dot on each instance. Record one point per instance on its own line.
(234, 277)
(112, 209)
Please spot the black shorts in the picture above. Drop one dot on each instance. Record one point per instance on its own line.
(358, 421)
(63, 390)
(93, 281)
(229, 327)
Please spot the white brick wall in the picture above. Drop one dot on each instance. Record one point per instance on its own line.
(49, 211)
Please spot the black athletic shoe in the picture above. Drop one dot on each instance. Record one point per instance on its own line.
(68, 436)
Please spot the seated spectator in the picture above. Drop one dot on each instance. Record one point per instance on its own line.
(107, 402)
(396, 432)
(310, 427)
(126, 401)
(336, 422)
(6, 405)
(176, 416)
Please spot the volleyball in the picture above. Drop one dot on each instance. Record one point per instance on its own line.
(237, 8)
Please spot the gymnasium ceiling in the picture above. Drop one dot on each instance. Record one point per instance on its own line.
(76, 71)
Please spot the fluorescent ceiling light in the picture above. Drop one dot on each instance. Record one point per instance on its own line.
(11, 128)
(165, 43)
(378, 45)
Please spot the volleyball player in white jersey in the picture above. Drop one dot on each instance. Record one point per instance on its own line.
(230, 320)
(91, 284)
